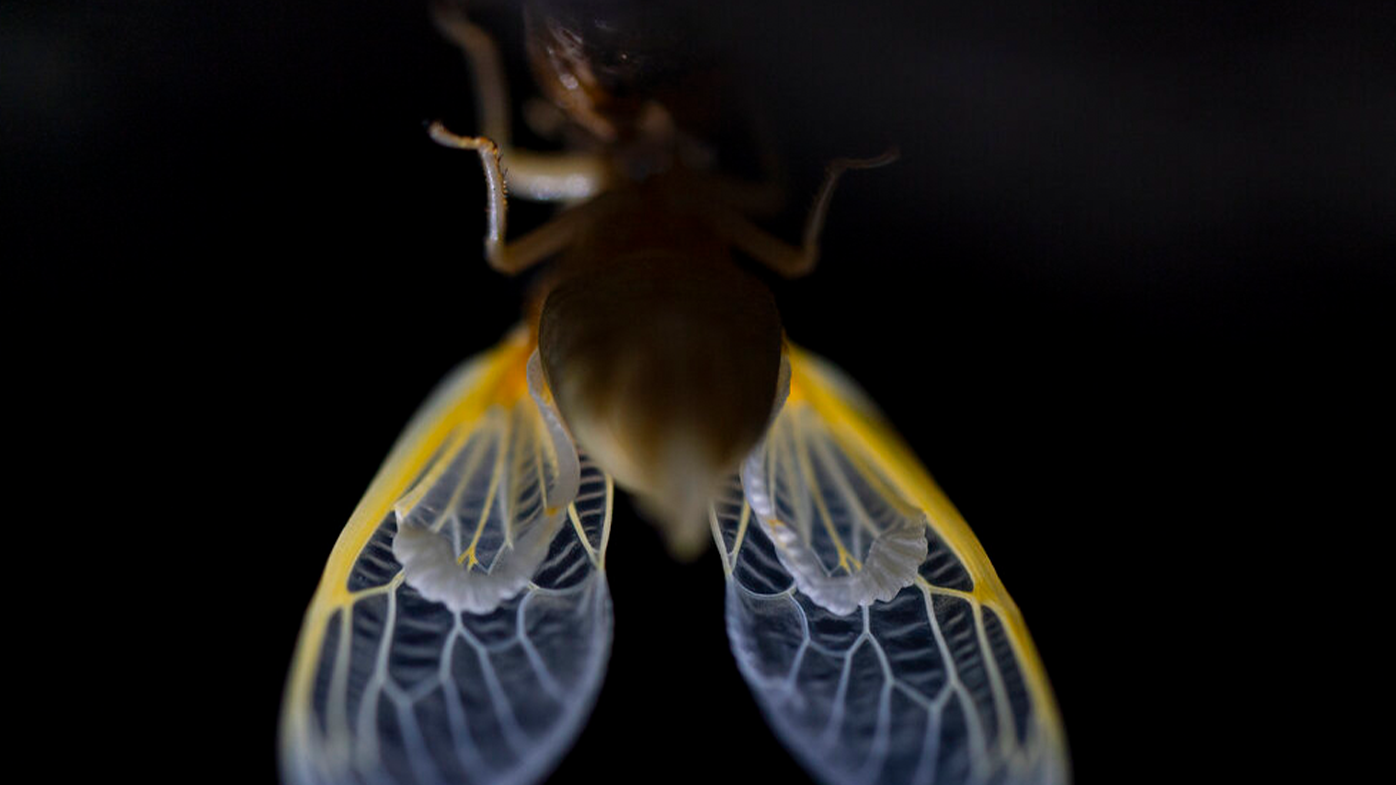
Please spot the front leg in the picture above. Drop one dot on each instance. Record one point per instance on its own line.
(514, 257)
(541, 177)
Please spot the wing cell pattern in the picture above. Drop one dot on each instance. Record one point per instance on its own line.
(400, 688)
(477, 524)
(929, 686)
(842, 536)
(407, 691)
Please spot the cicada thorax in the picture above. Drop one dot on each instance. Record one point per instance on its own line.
(662, 355)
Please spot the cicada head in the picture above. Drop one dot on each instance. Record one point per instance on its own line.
(602, 60)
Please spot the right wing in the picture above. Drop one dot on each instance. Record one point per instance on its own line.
(462, 624)
(864, 614)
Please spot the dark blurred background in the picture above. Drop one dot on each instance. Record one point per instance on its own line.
(1126, 294)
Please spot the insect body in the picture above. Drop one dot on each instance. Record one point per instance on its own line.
(462, 624)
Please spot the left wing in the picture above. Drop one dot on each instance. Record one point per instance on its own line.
(863, 613)
(480, 660)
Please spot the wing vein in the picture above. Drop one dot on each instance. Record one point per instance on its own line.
(368, 708)
(337, 716)
(802, 460)
(1007, 731)
(467, 754)
(448, 512)
(545, 676)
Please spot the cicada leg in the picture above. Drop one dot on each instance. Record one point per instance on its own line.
(785, 259)
(543, 177)
(514, 257)
(562, 177)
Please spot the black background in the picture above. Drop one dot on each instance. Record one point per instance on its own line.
(1123, 294)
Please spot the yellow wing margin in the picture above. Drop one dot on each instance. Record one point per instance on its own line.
(482, 665)
(847, 411)
(863, 613)
(494, 378)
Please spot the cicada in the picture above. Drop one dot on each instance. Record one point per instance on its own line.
(462, 625)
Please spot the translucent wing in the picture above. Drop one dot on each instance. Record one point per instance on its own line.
(864, 614)
(462, 625)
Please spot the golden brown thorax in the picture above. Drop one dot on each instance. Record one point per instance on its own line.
(661, 352)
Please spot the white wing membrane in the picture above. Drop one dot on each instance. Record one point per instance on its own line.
(476, 525)
(844, 539)
(921, 681)
(398, 687)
